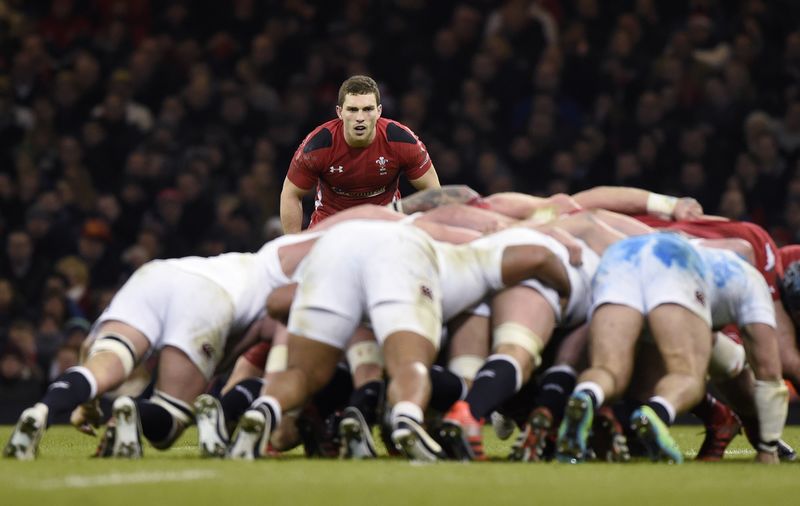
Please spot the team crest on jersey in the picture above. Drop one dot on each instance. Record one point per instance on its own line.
(207, 350)
(338, 169)
(426, 292)
(382, 170)
(701, 298)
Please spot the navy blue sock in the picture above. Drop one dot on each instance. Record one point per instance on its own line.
(158, 425)
(660, 410)
(367, 399)
(446, 388)
(66, 393)
(495, 382)
(555, 387)
(238, 399)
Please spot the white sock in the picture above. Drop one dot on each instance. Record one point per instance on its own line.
(407, 409)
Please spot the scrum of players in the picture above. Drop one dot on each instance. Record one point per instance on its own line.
(585, 323)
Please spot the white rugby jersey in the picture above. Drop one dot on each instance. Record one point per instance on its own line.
(739, 293)
(248, 278)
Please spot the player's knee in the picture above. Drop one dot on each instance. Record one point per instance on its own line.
(365, 353)
(466, 366)
(118, 345)
(727, 358)
(180, 417)
(516, 335)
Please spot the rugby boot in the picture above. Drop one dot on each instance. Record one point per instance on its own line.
(530, 445)
(252, 437)
(355, 436)
(575, 429)
(502, 425)
(720, 431)
(608, 439)
(414, 442)
(128, 436)
(212, 435)
(462, 433)
(786, 452)
(24, 441)
(655, 436)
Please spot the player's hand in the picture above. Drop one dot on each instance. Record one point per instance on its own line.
(687, 208)
(763, 457)
(87, 417)
(564, 203)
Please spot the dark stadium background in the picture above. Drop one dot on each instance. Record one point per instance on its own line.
(140, 129)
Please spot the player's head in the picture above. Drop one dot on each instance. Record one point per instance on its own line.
(359, 108)
(790, 283)
(359, 85)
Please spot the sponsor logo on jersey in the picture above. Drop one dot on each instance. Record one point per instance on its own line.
(382, 170)
(358, 195)
(338, 169)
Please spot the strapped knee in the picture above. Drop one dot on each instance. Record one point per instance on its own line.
(181, 413)
(727, 358)
(277, 359)
(364, 353)
(518, 335)
(117, 344)
(466, 366)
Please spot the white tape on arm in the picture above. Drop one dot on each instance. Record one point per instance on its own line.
(661, 204)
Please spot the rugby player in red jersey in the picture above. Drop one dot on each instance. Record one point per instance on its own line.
(354, 159)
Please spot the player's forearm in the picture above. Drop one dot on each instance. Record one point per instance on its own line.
(291, 214)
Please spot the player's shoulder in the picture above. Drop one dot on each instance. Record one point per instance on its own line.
(321, 137)
(394, 131)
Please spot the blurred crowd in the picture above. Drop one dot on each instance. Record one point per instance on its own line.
(141, 129)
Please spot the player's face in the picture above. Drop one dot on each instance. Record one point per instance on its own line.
(359, 113)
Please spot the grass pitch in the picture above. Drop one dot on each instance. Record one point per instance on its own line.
(64, 475)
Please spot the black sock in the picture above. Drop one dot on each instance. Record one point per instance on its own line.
(446, 388)
(660, 410)
(66, 393)
(336, 394)
(495, 382)
(555, 386)
(158, 425)
(368, 398)
(705, 408)
(238, 399)
(519, 406)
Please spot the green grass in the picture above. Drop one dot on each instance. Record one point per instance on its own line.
(64, 475)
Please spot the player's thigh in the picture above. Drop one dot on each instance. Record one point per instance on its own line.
(179, 376)
(613, 333)
(683, 339)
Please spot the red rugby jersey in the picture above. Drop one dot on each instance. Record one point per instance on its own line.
(768, 262)
(347, 176)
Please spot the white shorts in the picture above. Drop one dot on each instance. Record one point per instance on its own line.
(335, 330)
(357, 267)
(580, 289)
(172, 307)
(646, 271)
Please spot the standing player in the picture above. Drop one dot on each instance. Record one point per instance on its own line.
(354, 159)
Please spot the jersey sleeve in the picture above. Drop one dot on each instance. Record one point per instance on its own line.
(756, 305)
(305, 167)
(414, 157)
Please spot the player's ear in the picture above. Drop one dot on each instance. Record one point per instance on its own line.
(380, 109)
(339, 111)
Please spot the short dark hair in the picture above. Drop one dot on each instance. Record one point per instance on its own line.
(359, 85)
